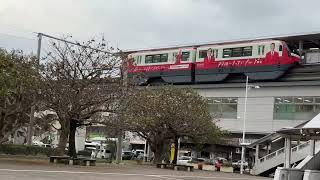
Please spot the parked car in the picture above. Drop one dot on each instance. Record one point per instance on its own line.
(222, 160)
(237, 164)
(184, 160)
(210, 161)
(138, 153)
(127, 155)
(46, 145)
(97, 150)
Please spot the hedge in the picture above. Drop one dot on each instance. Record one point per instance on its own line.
(14, 149)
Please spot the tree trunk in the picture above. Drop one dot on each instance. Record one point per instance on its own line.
(159, 153)
(72, 137)
(2, 119)
(119, 147)
(63, 139)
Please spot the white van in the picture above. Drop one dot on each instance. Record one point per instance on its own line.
(98, 150)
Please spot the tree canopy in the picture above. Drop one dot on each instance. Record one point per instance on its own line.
(164, 113)
(19, 81)
(79, 82)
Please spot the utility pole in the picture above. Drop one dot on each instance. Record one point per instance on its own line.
(31, 122)
(244, 129)
(120, 130)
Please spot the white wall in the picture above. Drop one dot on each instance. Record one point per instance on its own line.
(259, 106)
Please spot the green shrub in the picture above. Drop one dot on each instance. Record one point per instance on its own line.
(13, 149)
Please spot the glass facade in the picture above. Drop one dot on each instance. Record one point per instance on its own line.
(296, 108)
(223, 107)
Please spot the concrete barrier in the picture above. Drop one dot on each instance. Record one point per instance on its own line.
(311, 175)
(288, 174)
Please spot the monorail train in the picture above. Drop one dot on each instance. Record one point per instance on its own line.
(259, 60)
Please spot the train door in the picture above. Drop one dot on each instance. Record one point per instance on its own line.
(278, 60)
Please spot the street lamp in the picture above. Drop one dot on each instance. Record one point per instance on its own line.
(243, 144)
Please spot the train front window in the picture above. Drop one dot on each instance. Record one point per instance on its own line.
(185, 56)
(288, 49)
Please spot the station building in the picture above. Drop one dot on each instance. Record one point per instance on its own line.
(288, 101)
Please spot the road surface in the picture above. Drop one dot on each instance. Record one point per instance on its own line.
(13, 170)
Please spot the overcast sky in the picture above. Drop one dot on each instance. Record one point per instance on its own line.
(133, 24)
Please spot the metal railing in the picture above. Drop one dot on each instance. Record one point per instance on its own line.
(280, 151)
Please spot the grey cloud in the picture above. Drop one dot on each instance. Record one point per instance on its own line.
(146, 23)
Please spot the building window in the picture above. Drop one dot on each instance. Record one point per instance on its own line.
(157, 58)
(223, 107)
(296, 108)
(237, 52)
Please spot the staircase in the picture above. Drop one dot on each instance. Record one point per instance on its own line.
(277, 158)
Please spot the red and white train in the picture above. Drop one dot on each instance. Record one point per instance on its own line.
(259, 60)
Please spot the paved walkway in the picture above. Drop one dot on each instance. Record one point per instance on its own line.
(42, 170)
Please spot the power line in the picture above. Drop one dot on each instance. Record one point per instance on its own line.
(74, 43)
(19, 37)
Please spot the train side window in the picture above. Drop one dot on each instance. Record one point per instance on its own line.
(227, 53)
(280, 47)
(137, 59)
(185, 56)
(261, 50)
(236, 52)
(164, 58)
(148, 59)
(175, 54)
(202, 54)
(156, 58)
(216, 53)
(247, 51)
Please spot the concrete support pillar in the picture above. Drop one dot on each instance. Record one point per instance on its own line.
(312, 147)
(287, 152)
(257, 154)
(268, 148)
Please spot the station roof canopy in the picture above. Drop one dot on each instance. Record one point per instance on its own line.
(310, 130)
(274, 136)
(309, 39)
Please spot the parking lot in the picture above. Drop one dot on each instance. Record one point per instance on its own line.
(12, 170)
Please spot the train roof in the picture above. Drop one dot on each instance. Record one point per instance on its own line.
(310, 40)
